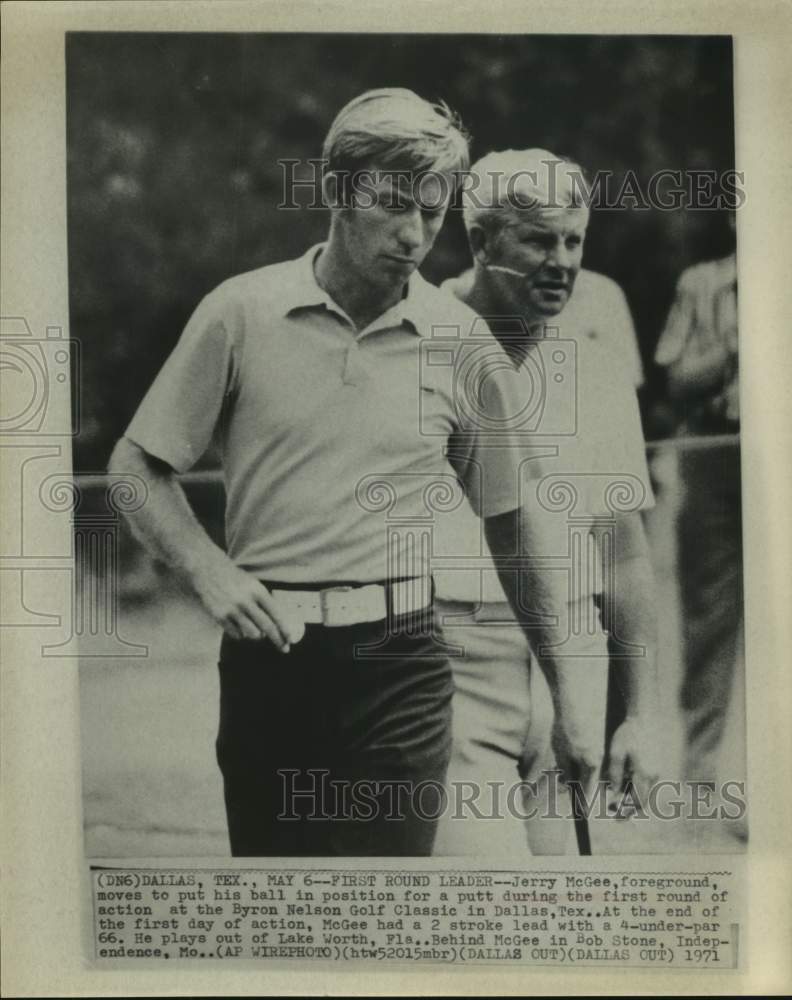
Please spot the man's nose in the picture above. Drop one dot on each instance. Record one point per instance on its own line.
(560, 256)
(411, 229)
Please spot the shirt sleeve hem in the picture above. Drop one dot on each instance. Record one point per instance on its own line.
(497, 506)
(178, 461)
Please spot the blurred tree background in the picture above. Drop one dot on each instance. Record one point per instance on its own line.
(174, 180)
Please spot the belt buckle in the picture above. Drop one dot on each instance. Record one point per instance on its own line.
(330, 616)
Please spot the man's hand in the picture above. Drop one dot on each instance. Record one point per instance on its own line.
(578, 752)
(578, 737)
(635, 757)
(243, 607)
(167, 526)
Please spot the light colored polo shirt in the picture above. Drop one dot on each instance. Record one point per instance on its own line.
(599, 307)
(335, 441)
(588, 461)
(704, 313)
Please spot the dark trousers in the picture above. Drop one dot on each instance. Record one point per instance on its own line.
(339, 747)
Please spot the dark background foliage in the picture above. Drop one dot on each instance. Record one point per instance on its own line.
(174, 181)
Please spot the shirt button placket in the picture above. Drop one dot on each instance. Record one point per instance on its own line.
(354, 368)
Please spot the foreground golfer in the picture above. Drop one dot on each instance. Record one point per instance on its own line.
(335, 691)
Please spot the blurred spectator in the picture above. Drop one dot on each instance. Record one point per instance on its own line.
(698, 349)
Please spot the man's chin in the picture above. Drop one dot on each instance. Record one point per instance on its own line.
(389, 274)
(546, 309)
(396, 265)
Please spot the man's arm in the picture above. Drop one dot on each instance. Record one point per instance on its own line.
(540, 604)
(695, 375)
(694, 368)
(629, 614)
(168, 528)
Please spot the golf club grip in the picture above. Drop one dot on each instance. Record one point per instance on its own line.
(582, 832)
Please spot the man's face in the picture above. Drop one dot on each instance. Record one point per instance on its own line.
(393, 223)
(546, 245)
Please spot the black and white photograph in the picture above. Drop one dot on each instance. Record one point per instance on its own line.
(394, 506)
(253, 203)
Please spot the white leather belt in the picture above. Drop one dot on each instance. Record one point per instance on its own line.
(337, 606)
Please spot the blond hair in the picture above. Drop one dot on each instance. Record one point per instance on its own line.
(395, 128)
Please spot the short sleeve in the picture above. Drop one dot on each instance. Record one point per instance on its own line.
(612, 449)
(177, 417)
(624, 336)
(489, 447)
(629, 488)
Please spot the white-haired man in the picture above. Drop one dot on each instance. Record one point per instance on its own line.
(335, 689)
(582, 494)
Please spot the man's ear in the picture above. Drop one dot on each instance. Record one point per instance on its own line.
(333, 190)
(479, 244)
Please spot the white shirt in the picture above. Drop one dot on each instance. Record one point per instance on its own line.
(588, 459)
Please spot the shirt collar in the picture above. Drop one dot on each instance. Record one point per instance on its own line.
(300, 290)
